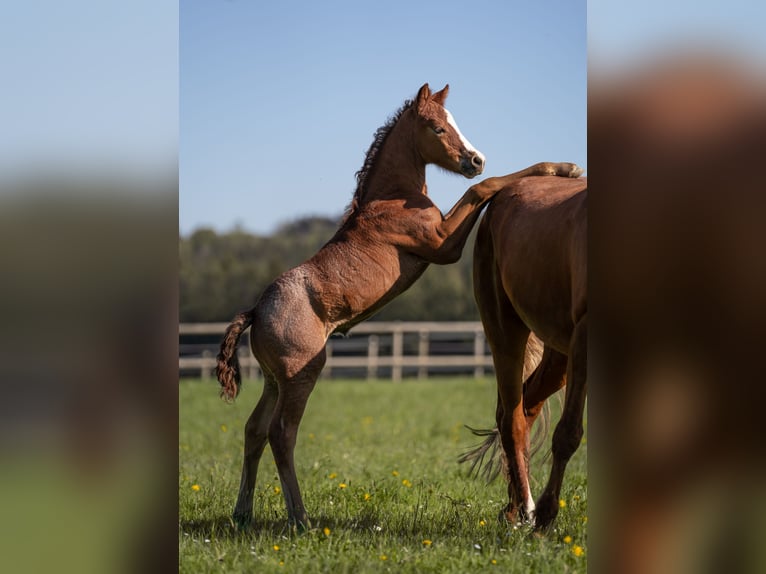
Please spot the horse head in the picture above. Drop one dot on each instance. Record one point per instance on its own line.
(438, 138)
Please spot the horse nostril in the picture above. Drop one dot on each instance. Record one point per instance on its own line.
(477, 161)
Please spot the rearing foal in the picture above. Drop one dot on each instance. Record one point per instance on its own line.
(390, 234)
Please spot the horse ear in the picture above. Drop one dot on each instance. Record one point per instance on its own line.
(440, 96)
(422, 98)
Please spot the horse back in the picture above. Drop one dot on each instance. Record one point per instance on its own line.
(535, 231)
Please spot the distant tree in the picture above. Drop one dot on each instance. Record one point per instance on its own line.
(223, 274)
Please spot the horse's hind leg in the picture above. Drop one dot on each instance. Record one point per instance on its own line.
(283, 432)
(507, 337)
(569, 431)
(548, 377)
(256, 436)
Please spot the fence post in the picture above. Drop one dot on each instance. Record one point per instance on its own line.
(478, 352)
(327, 371)
(373, 349)
(396, 354)
(422, 354)
(205, 368)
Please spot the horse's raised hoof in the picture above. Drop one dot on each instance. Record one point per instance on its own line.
(570, 170)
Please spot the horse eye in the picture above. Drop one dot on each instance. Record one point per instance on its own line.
(438, 130)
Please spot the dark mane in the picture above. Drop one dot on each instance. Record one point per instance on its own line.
(372, 153)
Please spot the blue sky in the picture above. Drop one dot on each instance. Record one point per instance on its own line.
(279, 100)
(89, 86)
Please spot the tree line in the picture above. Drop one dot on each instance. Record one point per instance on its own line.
(224, 273)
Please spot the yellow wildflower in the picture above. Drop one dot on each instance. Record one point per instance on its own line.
(493, 561)
(394, 473)
(342, 485)
(332, 475)
(482, 523)
(281, 562)
(427, 542)
(567, 540)
(407, 483)
(223, 428)
(276, 548)
(383, 557)
(367, 496)
(562, 503)
(195, 487)
(326, 531)
(577, 550)
(277, 490)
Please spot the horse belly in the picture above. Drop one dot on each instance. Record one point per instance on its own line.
(547, 316)
(536, 278)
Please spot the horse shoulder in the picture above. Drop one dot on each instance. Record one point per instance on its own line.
(401, 222)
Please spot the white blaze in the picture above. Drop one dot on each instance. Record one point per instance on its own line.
(466, 143)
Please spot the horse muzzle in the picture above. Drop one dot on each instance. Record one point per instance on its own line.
(472, 164)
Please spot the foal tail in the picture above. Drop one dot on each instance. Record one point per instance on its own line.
(227, 367)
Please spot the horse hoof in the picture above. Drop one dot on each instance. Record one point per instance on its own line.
(508, 516)
(300, 526)
(545, 513)
(575, 171)
(242, 521)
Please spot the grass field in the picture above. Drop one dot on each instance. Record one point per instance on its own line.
(378, 471)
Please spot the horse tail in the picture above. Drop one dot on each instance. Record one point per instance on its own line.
(487, 458)
(227, 367)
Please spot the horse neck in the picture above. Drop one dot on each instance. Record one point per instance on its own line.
(399, 170)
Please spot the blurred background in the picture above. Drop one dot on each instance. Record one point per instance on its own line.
(88, 296)
(676, 130)
(89, 217)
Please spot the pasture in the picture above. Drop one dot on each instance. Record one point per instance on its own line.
(377, 466)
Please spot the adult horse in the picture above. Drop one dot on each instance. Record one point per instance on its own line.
(390, 234)
(530, 274)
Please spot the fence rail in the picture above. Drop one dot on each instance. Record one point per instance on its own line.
(373, 350)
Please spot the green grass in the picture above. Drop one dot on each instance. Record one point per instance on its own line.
(406, 506)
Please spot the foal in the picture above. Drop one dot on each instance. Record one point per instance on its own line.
(390, 234)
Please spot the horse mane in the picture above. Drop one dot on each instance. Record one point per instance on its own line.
(363, 175)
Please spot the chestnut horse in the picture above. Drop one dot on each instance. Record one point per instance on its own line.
(391, 232)
(530, 274)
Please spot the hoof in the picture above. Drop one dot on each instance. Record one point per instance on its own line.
(511, 516)
(242, 521)
(545, 513)
(300, 526)
(574, 170)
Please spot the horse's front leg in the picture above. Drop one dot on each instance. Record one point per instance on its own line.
(445, 240)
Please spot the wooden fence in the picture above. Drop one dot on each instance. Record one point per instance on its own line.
(373, 350)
